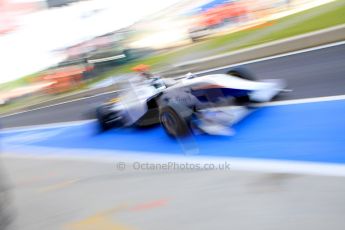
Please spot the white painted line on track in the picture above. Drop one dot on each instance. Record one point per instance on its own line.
(304, 100)
(275, 56)
(46, 126)
(61, 103)
(236, 164)
(200, 72)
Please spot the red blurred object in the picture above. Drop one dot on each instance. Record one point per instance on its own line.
(220, 13)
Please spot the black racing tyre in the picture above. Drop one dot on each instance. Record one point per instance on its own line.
(101, 117)
(176, 119)
(243, 100)
(241, 73)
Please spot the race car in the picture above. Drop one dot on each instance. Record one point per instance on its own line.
(190, 104)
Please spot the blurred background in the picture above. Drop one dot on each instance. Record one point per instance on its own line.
(60, 59)
(54, 47)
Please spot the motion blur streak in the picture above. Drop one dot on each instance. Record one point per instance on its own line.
(305, 75)
(201, 72)
(172, 114)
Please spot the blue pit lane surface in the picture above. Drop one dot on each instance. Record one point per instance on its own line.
(313, 132)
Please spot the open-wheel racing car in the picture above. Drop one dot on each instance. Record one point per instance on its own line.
(189, 104)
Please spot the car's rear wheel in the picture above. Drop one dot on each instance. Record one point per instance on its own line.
(101, 117)
(241, 73)
(176, 120)
(108, 119)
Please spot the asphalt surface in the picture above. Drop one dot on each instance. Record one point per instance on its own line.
(310, 74)
(75, 195)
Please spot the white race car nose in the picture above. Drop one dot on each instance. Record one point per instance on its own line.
(268, 90)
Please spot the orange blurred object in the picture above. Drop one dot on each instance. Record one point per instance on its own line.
(141, 68)
(64, 79)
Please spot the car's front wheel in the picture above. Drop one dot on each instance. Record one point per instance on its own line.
(176, 120)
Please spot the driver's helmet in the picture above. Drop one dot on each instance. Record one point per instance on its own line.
(143, 70)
